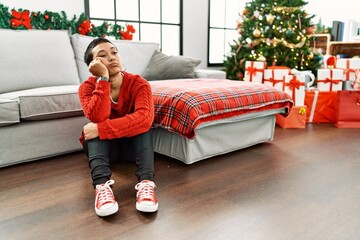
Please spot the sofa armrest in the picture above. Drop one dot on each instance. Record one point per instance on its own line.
(210, 73)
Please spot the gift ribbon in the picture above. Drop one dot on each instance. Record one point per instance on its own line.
(293, 84)
(272, 78)
(356, 84)
(313, 106)
(309, 77)
(251, 70)
(349, 70)
(330, 80)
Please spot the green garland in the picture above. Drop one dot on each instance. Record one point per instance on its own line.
(23, 19)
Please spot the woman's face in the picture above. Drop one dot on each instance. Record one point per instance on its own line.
(108, 55)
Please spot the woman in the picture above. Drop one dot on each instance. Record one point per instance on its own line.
(120, 108)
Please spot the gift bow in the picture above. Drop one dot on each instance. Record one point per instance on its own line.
(302, 111)
(272, 78)
(294, 83)
(253, 70)
(309, 77)
(348, 70)
(330, 80)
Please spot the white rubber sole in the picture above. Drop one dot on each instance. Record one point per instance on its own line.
(108, 211)
(147, 208)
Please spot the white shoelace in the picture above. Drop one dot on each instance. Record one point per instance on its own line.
(145, 190)
(104, 192)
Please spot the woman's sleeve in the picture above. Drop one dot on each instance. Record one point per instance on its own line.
(95, 99)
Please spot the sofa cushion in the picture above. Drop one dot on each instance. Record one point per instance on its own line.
(162, 66)
(36, 58)
(134, 55)
(48, 102)
(9, 112)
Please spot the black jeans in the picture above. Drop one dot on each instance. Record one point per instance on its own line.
(102, 152)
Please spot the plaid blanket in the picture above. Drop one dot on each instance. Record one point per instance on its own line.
(182, 104)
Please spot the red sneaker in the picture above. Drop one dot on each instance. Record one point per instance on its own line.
(105, 203)
(145, 196)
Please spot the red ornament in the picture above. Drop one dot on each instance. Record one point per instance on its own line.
(331, 62)
(46, 17)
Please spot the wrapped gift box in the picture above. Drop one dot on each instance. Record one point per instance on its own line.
(275, 76)
(347, 109)
(295, 87)
(330, 79)
(254, 71)
(295, 119)
(320, 106)
(351, 67)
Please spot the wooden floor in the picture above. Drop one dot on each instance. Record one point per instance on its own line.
(305, 184)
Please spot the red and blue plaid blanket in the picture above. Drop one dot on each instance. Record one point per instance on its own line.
(182, 104)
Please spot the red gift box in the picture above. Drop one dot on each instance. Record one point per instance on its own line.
(295, 119)
(348, 109)
(320, 106)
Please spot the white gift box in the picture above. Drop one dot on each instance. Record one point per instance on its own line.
(330, 79)
(276, 76)
(351, 68)
(295, 87)
(254, 71)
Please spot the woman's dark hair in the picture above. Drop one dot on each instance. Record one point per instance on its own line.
(88, 57)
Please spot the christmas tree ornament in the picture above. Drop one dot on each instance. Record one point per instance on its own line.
(261, 58)
(256, 32)
(270, 18)
(289, 32)
(245, 11)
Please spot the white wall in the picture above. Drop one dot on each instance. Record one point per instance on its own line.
(195, 30)
(334, 10)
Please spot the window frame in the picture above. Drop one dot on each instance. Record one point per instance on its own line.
(224, 28)
(139, 22)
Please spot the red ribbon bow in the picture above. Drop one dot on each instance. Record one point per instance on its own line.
(275, 81)
(330, 80)
(294, 83)
(251, 70)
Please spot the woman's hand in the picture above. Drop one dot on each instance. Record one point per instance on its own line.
(90, 131)
(97, 68)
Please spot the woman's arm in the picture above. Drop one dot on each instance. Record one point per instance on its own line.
(95, 99)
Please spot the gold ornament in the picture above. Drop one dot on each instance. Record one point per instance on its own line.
(270, 18)
(256, 33)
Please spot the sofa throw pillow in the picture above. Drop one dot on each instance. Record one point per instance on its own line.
(162, 66)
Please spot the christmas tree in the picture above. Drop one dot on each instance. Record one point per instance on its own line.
(276, 32)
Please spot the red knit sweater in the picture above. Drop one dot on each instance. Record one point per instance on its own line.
(132, 115)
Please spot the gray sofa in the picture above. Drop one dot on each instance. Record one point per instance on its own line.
(40, 72)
